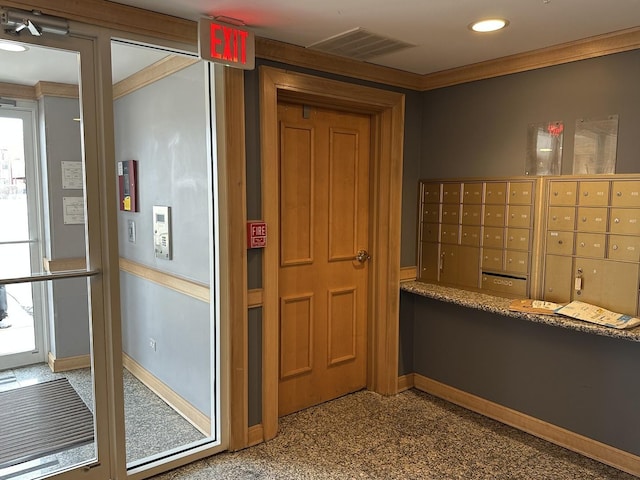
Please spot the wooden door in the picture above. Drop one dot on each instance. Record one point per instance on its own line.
(324, 222)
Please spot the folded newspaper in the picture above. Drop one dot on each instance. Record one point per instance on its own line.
(594, 314)
(534, 306)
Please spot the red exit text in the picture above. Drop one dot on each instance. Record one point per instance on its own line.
(226, 44)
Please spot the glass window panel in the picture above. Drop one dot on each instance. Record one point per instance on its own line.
(595, 145)
(544, 148)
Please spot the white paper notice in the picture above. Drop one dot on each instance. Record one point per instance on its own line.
(72, 178)
(73, 210)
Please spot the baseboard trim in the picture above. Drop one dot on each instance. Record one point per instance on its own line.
(65, 364)
(256, 435)
(588, 447)
(405, 382)
(190, 413)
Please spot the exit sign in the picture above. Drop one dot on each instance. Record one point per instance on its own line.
(226, 44)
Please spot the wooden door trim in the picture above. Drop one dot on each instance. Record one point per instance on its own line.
(233, 229)
(387, 133)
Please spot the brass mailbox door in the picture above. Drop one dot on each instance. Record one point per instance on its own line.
(470, 235)
(459, 265)
(492, 259)
(557, 279)
(517, 238)
(590, 245)
(592, 219)
(517, 262)
(521, 193)
(450, 213)
(451, 193)
(448, 263)
(625, 220)
(560, 243)
(430, 212)
(471, 214)
(561, 218)
(431, 193)
(624, 248)
(429, 262)
(429, 232)
(562, 193)
(594, 193)
(449, 233)
(626, 193)
(597, 278)
(493, 237)
(494, 215)
(472, 193)
(519, 216)
(468, 266)
(496, 192)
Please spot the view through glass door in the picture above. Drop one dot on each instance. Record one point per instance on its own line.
(21, 322)
(53, 389)
(166, 243)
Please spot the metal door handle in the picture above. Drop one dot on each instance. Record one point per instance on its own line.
(362, 256)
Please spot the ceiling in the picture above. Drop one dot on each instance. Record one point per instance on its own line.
(438, 29)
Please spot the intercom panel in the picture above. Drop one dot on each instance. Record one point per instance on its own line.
(162, 231)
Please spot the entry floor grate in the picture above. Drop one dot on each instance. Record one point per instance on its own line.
(42, 419)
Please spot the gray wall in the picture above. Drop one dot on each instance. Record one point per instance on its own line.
(582, 382)
(164, 127)
(480, 128)
(585, 383)
(68, 308)
(474, 129)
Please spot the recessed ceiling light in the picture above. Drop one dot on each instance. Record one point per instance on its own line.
(12, 47)
(489, 25)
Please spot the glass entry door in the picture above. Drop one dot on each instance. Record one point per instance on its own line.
(21, 248)
(53, 411)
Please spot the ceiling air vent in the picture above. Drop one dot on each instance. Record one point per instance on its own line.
(359, 44)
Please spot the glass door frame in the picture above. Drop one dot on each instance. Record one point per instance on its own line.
(214, 96)
(101, 250)
(27, 111)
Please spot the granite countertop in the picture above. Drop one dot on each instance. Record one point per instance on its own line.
(500, 305)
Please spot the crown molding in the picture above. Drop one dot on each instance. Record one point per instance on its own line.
(614, 42)
(139, 21)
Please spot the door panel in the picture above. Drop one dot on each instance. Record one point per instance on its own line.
(324, 221)
(342, 325)
(296, 328)
(296, 193)
(343, 194)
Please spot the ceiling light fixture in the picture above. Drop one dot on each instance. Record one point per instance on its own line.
(489, 25)
(12, 47)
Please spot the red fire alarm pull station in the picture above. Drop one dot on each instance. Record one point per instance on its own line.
(128, 183)
(256, 234)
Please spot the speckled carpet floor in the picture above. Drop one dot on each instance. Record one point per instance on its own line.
(408, 436)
